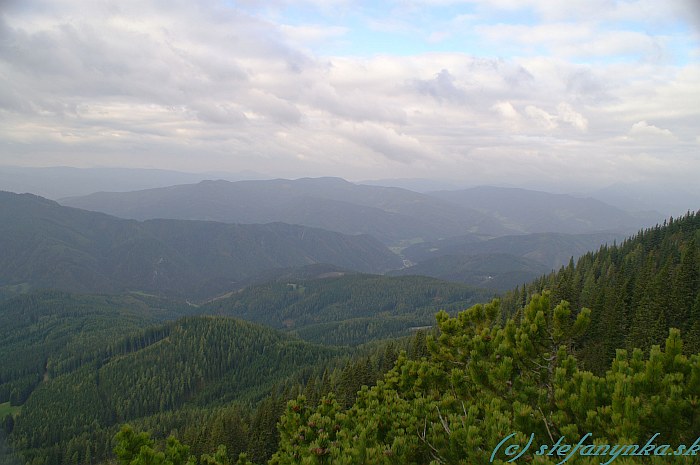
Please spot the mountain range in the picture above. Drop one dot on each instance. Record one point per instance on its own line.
(499, 263)
(46, 245)
(494, 237)
(389, 214)
(163, 347)
(393, 215)
(55, 182)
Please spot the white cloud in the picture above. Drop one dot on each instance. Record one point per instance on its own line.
(644, 129)
(506, 110)
(199, 86)
(541, 118)
(567, 114)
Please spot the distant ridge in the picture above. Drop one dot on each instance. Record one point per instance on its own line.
(393, 215)
(56, 182)
(528, 211)
(46, 245)
(389, 214)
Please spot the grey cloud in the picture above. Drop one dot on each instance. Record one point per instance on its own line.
(218, 114)
(518, 76)
(583, 84)
(441, 87)
(386, 141)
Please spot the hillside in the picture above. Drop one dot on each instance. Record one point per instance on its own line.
(86, 363)
(497, 271)
(186, 366)
(549, 249)
(495, 362)
(46, 245)
(49, 333)
(636, 291)
(529, 211)
(349, 309)
(487, 390)
(389, 214)
(631, 314)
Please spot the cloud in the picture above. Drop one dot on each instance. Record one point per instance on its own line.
(209, 86)
(567, 114)
(644, 129)
(541, 117)
(386, 141)
(506, 110)
(441, 87)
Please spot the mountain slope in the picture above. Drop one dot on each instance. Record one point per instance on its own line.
(533, 211)
(390, 214)
(191, 363)
(350, 309)
(497, 271)
(483, 376)
(552, 250)
(47, 245)
(49, 333)
(636, 290)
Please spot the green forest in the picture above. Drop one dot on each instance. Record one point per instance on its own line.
(360, 369)
(351, 309)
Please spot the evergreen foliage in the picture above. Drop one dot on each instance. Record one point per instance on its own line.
(351, 309)
(209, 380)
(636, 291)
(48, 333)
(483, 380)
(536, 362)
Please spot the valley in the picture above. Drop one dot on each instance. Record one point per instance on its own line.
(211, 330)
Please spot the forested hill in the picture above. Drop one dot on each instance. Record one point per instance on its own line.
(48, 333)
(488, 388)
(45, 245)
(195, 362)
(636, 290)
(350, 309)
(498, 271)
(74, 367)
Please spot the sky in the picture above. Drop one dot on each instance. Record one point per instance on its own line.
(510, 92)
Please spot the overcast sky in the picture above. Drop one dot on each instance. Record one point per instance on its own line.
(586, 92)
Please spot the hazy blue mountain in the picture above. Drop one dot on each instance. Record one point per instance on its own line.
(549, 249)
(499, 271)
(530, 211)
(46, 245)
(415, 184)
(61, 181)
(648, 199)
(389, 214)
